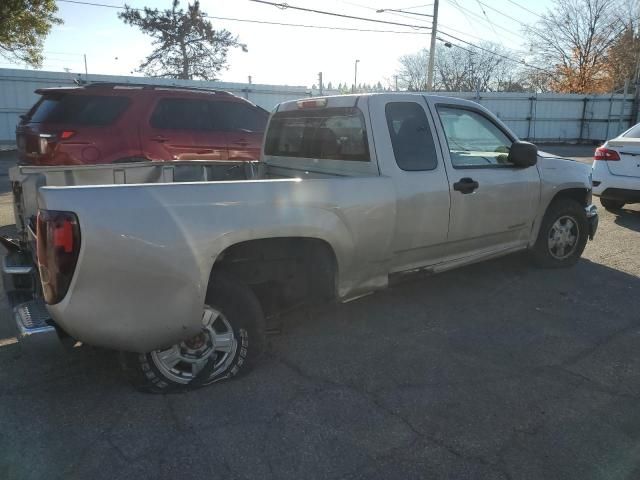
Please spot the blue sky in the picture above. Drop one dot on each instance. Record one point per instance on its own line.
(288, 55)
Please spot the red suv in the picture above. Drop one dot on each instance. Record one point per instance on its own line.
(109, 123)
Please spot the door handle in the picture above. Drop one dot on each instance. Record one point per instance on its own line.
(242, 143)
(466, 185)
(159, 138)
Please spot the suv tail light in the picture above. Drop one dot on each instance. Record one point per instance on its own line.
(58, 245)
(67, 134)
(603, 153)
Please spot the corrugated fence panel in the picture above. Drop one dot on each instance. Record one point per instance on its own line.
(538, 117)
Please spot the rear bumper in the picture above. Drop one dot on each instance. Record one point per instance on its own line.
(625, 195)
(35, 327)
(593, 219)
(614, 187)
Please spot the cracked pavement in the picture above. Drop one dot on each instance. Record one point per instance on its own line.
(494, 371)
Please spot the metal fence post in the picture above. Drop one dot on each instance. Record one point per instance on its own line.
(583, 117)
(606, 135)
(624, 100)
(531, 100)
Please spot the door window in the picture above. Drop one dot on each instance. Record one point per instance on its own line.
(411, 137)
(473, 139)
(181, 114)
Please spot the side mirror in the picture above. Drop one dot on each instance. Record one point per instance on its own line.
(523, 154)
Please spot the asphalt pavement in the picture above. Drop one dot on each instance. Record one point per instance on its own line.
(494, 371)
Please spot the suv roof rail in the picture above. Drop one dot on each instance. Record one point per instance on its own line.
(151, 86)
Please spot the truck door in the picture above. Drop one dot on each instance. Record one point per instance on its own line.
(407, 153)
(493, 202)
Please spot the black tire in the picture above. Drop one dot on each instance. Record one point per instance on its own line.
(242, 313)
(559, 211)
(611, 205)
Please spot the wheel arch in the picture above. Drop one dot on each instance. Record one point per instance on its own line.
(284, 271)
(580, 194)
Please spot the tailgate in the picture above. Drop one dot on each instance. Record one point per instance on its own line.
(629, 163)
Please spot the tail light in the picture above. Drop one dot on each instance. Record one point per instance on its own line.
(58, 237)
(66, 134)
(603, 153)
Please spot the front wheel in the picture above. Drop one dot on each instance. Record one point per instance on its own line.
(563, 235)
(231, 339)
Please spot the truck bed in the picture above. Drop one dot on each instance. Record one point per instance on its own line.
(26, 180)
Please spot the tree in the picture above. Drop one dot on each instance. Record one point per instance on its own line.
(412, 74)
(186, 45)
(573, 39)
(329, 86)
(24, 24)
(623, 59)
(463, 69)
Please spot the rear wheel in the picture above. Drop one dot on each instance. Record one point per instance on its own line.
(231, 339)
(611, 205)
(563, 235)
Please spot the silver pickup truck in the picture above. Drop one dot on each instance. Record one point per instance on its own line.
(351, 192)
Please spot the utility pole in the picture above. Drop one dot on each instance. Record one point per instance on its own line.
(395, 77)
(355, 77)
(86, 72)
(320, 82)
(432, 48)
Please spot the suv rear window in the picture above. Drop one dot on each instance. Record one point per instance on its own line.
(78, 109)
(332, 134)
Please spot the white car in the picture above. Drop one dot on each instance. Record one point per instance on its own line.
(616, 170)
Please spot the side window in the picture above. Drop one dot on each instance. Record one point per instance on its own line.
(411, 137)
(236, 116)
(473, 139)
(181, 114)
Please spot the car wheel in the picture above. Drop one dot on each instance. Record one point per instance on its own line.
(231, 340)
(563, 235)
(611, 205)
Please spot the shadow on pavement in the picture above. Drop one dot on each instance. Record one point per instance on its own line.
(497, 370)
(629, 219)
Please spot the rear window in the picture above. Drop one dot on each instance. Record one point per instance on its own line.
(78, 109)
(331, 134)
(634, 132)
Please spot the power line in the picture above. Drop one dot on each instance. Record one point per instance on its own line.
(386, 12)
(506, 57)
(462, 9)
(262, 22)
(525, 8)
(503, 14)
(466, 17)
(285, 6)
(489, 21)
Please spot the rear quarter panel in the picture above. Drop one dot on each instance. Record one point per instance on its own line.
(147, 250)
